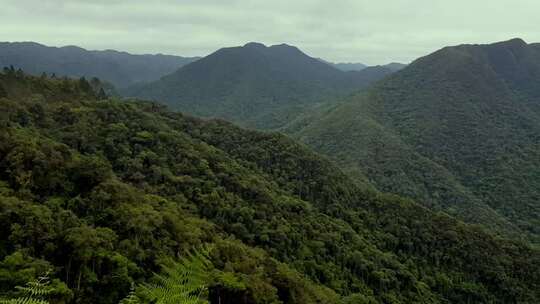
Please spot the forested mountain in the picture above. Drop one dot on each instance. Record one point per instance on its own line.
(255, 85)
(119, 68)
(102, 191)
(458, 130)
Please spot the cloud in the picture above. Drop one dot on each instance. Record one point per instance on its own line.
(341, 30)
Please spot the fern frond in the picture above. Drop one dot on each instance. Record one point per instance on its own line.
(25, 300)
(33, 293)
(131, 298)
(181, 282)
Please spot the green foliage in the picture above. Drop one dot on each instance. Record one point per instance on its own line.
(18, 268)
(35, 292)
(131, 298)
(102, 190)
(456, 131)
(102, 94)
(180, 282)
(359, 299)
(3, 92)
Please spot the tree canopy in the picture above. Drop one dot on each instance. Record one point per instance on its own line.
(104, 192)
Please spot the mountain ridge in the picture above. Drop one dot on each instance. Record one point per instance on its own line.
(255, 85)
(119, 68)
(470, 109)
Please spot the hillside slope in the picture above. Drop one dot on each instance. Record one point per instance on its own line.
(254, 85)
(102, 190)
(119, 68)
(457, 130)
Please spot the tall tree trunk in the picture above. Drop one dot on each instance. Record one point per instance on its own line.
(79, 280)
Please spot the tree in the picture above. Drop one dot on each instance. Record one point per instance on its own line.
(9, 71)
(19, 73)
(90, 246)
(84, 85)
(102, 94)
(3, 92)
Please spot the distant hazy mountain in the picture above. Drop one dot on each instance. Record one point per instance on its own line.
(349, 66)
(395, 66)
(458, 130)
(255, 85)
(119, 68)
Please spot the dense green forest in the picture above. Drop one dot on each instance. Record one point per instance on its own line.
(104, 192)
(255, 85)
(457, 130)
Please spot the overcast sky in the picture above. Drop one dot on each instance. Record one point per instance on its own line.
(368, 31)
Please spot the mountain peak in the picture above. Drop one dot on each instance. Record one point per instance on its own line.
(515, 42)
(257, 45)
(265, 82)
(73, 48)
(282, 45)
